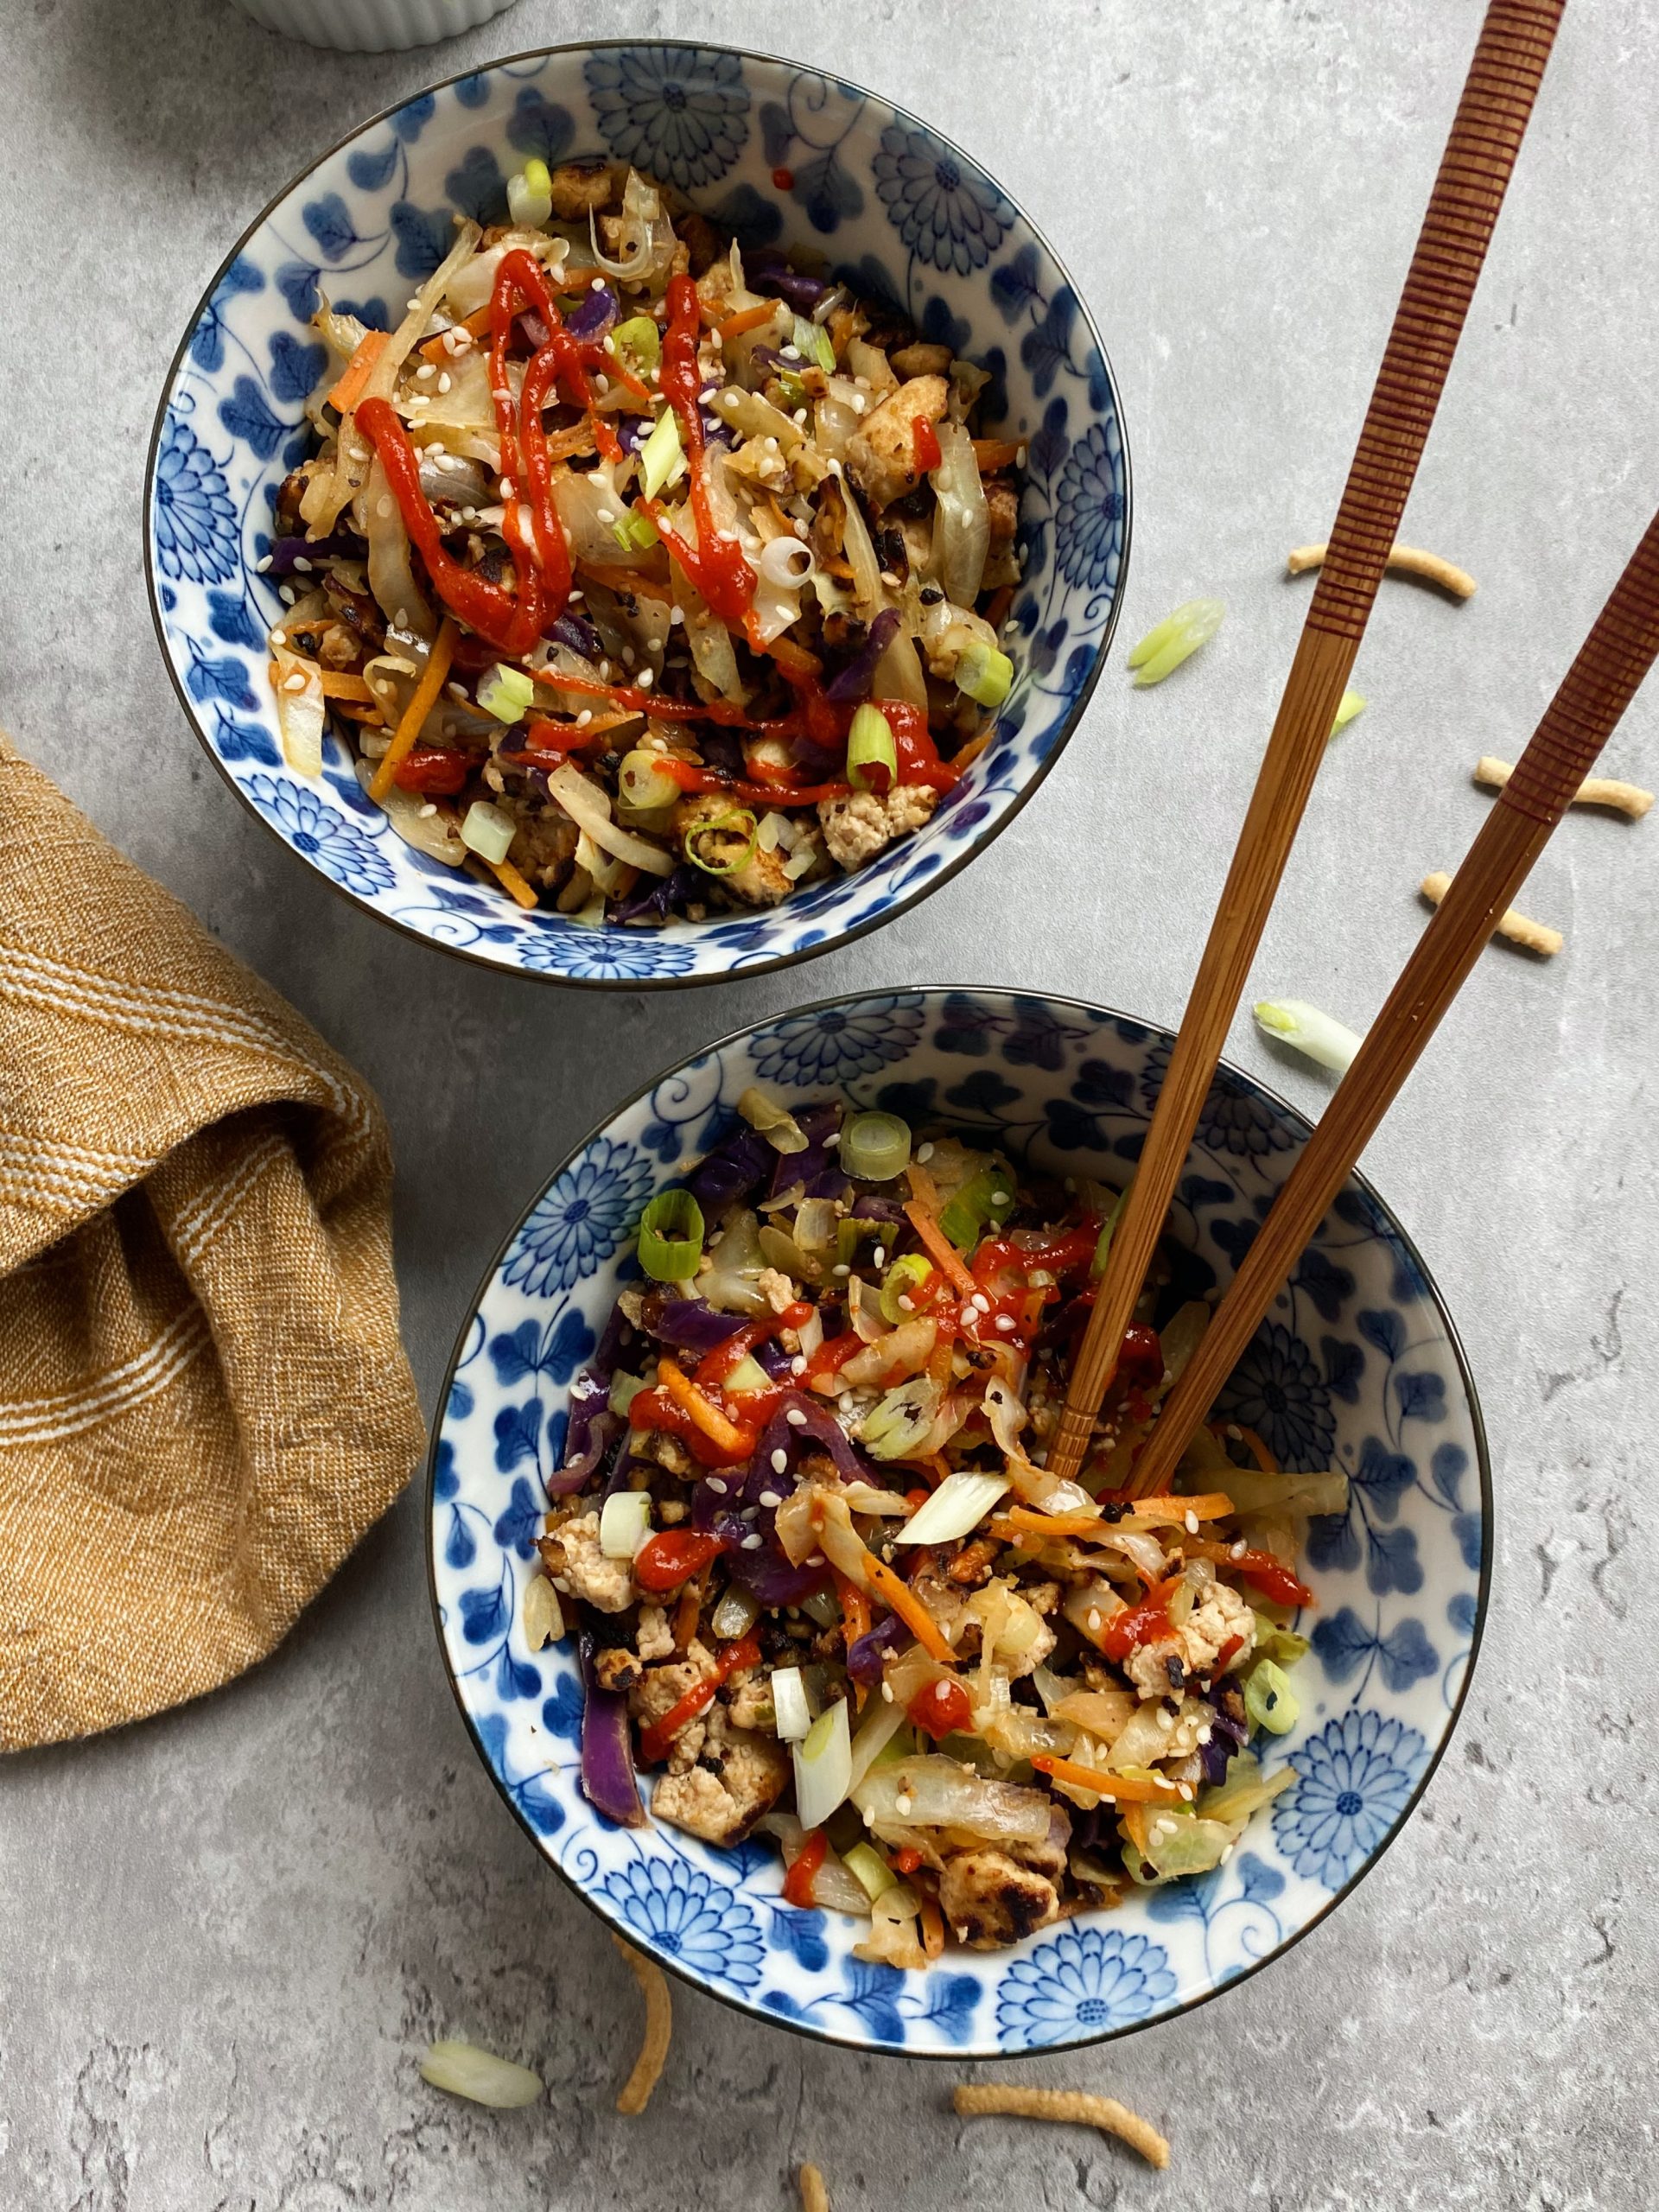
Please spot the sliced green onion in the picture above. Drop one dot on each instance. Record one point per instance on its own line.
(1107, 1229)
(789, 1703)
(1169, 642)
(811, 342)
(1282, 1645)
(487, 831)
(900, 1423)
(850, 1234)
(735, 1615)
(505, 693)
(624, 1388)
(661, 457)
(465, 2071)
(769, 1120)
(1352, 704)
(747, 1375)
(822, 1606)
(635, 533)
(869, 745)
(902, 1277)
(959, 1505)
(624, 1519)
(985, 1197)
(639, 336)
(871, 1869)
(671, 1237)
(823, 1766)
(875, 1147)
(736, 822)
(530, 196)
(642, 784)
(1293, 1021)
(984, 674)
(1268, 1699)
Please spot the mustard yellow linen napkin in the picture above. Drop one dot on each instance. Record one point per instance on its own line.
(203, 1400)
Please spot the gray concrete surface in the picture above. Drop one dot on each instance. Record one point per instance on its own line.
(224, 1935)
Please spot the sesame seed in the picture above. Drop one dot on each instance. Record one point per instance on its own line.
(1165, 1720)
(646, 679)
(832, 1139)
(1094, 1620)
(604, 671)
(1190, 1523)
(902, 1807)
(779, 1461)
(423, 372)
(304, 566)
(887, 1693)
(286, 594)
(980, 1303)
(795, 1417)
(457, 693)
(445, 382)
(410, 306)
(279, 637)
(263, 563)
(507, 490)
(1238, 1549)
(584, 718)
(790, 352)
(999, 1198)
(1005, 1322)
(1235, 1432)
(606, 514)
(859, 403)
(1186, 1788)
(676, 614)
(798, 1365)
(924, 1154)
(1227, 1854)
(771, 1497)
(842, 1269)
(428, 808)
(610, 344)
(907, 1301)
(799, 416)
(295, 682)
(752, 1544)
(716, 1484)
(881, 1255)
(890, 579)
(400, 619)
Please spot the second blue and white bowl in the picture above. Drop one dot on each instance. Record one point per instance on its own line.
(775, 152)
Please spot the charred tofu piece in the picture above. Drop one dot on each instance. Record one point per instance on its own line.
(992, 1900)
(857, 828)
(738, 1778)
(758, 881)
(571, 1555)
(579, 186)
(881, 457)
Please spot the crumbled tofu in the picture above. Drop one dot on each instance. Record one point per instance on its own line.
(656, 1638)
(578, 186)
(667, 1451)
(663, 1687)
(991, 1899)
(749, 1702)
(857, 828)
(775, 1286)
(721, 1800)
(921, 359)
(572, 1557)
(616, 1668)
(1197, 1642)
(759, 881)
(881, 453)
(1003, 504)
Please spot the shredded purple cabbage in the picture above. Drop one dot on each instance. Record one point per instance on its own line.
(592, 1433)
(608, 1780)
(775, 1361)
(597, 310)
(767, 270)
(813, 1166)
(870, 1208)
(657, 898)
(732, 1170)
(529, 326)
(616, 1338)
(578, 633)
(864, 1660)
(691, 1325)
(854, 681)
(288, 550)
(819, 1428)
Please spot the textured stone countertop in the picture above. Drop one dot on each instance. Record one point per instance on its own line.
(224, 1936)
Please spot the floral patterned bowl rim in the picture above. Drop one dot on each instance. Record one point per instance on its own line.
(512, 1794)
(919, 881)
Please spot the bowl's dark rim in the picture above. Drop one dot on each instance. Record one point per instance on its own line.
(812, 2031)
(981, 838)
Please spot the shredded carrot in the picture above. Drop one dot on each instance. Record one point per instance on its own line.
(1122, 1788)
(940, 1250)
(476, 324)
(704, 1411)
(686, 1613)
(997, 605)
(793, 658)
(898, 1596)
(510, 881)
(1146, 1513)
(348, 388)
(938, 1366)
(932, 1929)
(337, 684)
(353, 713)
(971, 751)
(564, 445)
(423, 699)
(923, 1188)
(854, 1608)
(992, 454)
(618, 579)
(746, 319)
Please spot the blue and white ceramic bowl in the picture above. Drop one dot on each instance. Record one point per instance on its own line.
(878, 195)
(1358, 1367)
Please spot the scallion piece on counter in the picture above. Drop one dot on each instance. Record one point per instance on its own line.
(1293, 1021)
(505, 693)
(1351, 704)
(661, 457)
(671, 1237)
(869, 745)
(1171, 641)
(984, 674)
(875, 1147)
(530, 196)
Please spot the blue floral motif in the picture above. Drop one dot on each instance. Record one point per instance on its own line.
(579, 1223)
(1278, 1390)
(207, 339)
(832, 1047)
(681, 113)
(949, 214)
(195, 523)
(345, 855)
(1089, 511)
(617, 955)
(700, 1924)
(1357, 1777)
(1084, 1982)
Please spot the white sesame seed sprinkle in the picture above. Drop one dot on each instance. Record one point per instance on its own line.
(887, 1693)
(924, 1154)
(716, 1484)
(263, 562)
(795, 1417)
(304, 566)
(584, 718)
(1094, 1620)
(1005, 1322)
(752, 1543)
(798, 1365)
(426, 371)
(841, 1269)
(999, 1198)
(1190, 1523)
(881, 1255)
(771, 1497)
(1239, 1549)
(779, 1461)
(646, 679)
(279, 637)
(295, 682)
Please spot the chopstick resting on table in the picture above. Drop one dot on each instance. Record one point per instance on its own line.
(1599, 685)
(1486, 134)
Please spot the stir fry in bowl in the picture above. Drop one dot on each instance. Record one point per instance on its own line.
(650, 579)
(825, 1588)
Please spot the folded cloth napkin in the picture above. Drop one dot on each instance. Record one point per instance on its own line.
(203, 1400)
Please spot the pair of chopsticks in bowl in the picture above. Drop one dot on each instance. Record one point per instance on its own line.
(1486, 134)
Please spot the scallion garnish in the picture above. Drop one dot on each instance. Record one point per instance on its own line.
(505, 693)
(661, 457)
(530, 196)
(485, 830)
(639, 336)
(1293, 1021)
(869, 746)
(984, 674)
(671, 1237)
(1171, 641)
(875, 1147)
(736, 822)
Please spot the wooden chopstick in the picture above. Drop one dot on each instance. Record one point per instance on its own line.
(1492, 119)
(1599, 685)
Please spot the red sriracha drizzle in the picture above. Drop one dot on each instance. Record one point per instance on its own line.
(1143, 1624)
(731, 1659)
(715, 564)
(798, 1882)
(665, 1561)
